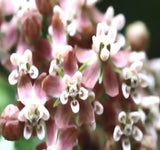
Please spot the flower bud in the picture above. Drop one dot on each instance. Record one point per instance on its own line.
(31, 22)
(137, 35)
(10, 125)
(45, 7)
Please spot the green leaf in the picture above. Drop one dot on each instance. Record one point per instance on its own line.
(57, 102)
(60, 72)
(83, 65)
(78, 147)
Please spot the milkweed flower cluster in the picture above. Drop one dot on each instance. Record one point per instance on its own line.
(80, 83)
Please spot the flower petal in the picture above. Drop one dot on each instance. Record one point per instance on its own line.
(77, 77)
(27, 131)
(122, 117)
(112, 33)
(52, 131)
(40, 130)
(137, 66)
(117, 133)
(137, 134)
(104, 54)
(115, 48)
(64, 97)
(63, 116)
(98, 108)
(137, 98)
(90, 74)
(13, 77)
(110, 81)
(84, 55)
(126, 90)
(68, 138)
(109, 14)
(33, 72)
(15, 59)
(134, 116)
(83, 93)
(126, 144)
(75, 106)
(70, 62)
(52, 85)
(28, 56)
(121, 58)
(86, 113)
(53, 68)
(24, 89)
(37, 87)
(119, 21)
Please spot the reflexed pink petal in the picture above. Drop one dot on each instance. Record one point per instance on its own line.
(9, 30)
(70, 63)
(68, 138)
(52, 131)
(110, 81)
(63, 115)
(52, 85)
(43, 49)
(37, 87)
(24, 89)
(86, 113)
(117, 133)
(90, 74)
(27, 131)
(126, 144)
(59, 34)
(84, 54)
(121, 59)
(75, 106)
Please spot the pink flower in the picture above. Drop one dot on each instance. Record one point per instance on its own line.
(34, 111)
(23, 65)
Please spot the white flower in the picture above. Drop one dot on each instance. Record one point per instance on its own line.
(104, 44)
(33, 115)
(129, 129)
(73, 91)
(133, 79)
(58, 58)
(23, 65)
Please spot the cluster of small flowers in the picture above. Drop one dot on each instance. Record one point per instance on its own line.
(75, 70)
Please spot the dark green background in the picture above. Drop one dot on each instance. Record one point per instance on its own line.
(147, 11)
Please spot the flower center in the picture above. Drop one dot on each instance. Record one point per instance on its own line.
(73, 90)
(128, 130)
(34, 116)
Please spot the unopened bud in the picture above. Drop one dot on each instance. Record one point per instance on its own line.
(137, 35)
(31, 25)
(45, 7)
(12, 129)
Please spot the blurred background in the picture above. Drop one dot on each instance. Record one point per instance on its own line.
(134, 10)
